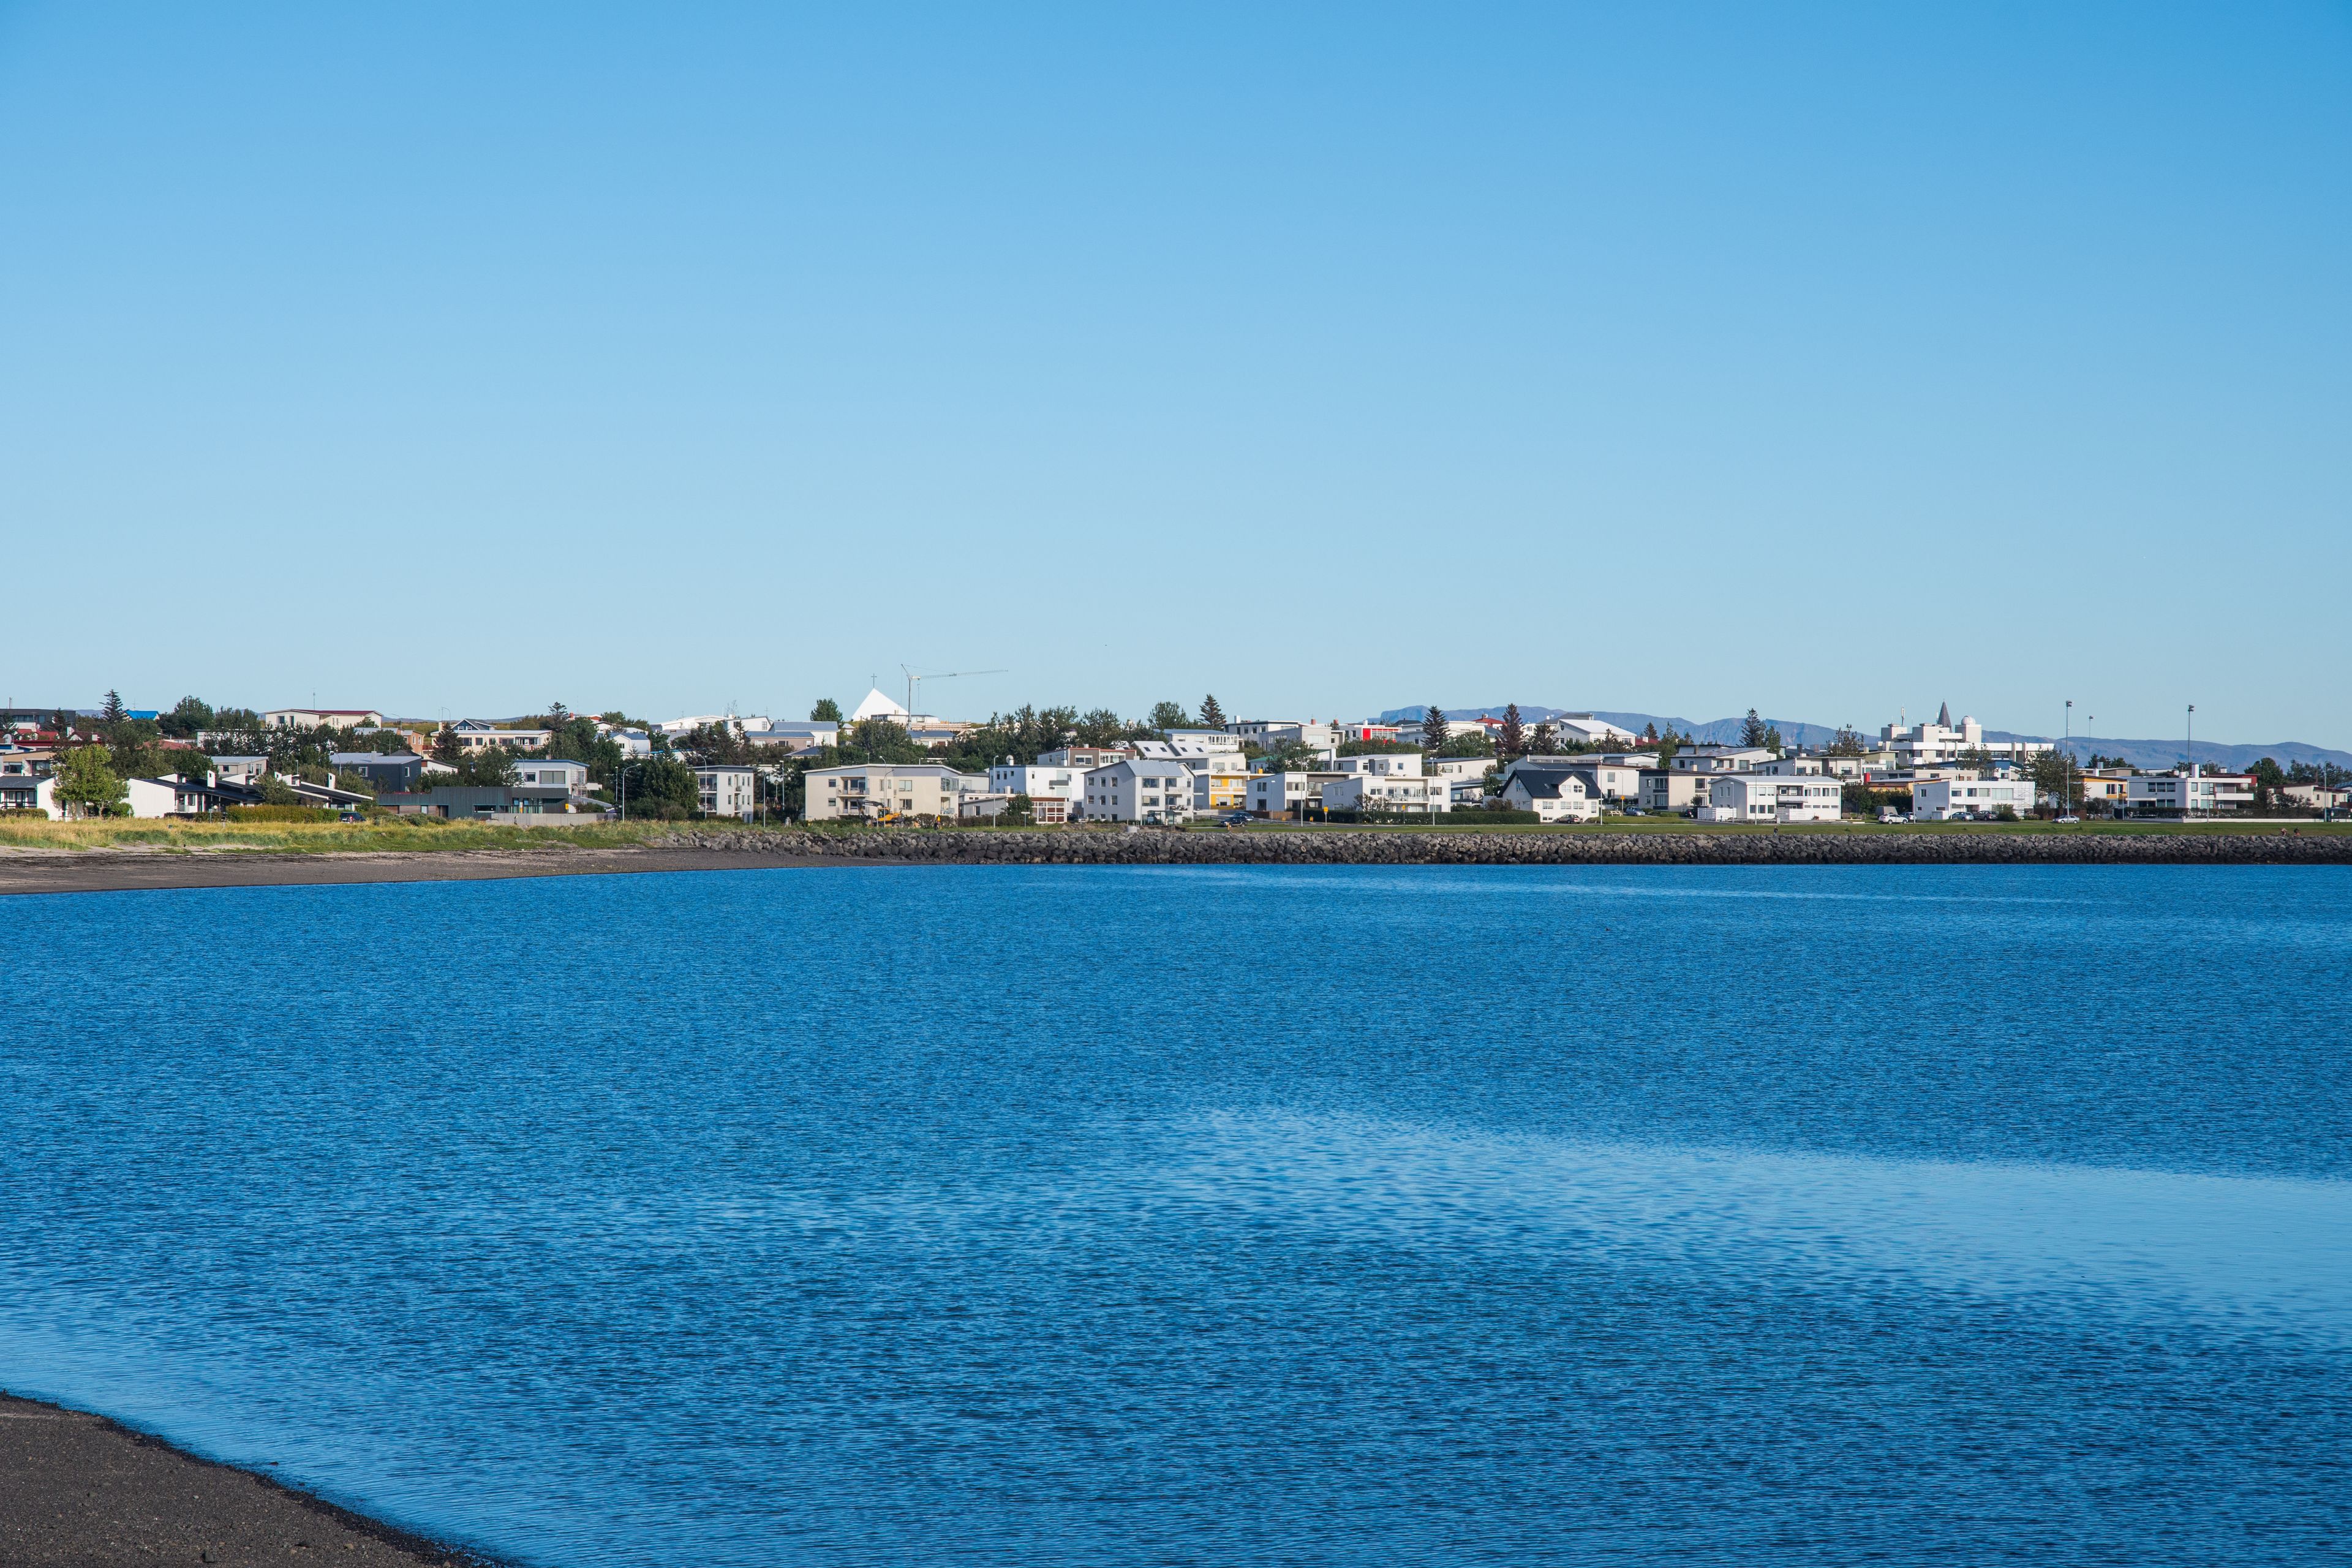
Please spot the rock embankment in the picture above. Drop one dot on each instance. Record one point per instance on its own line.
(1210, 848)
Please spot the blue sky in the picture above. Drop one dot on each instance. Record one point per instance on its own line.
(1829, 360)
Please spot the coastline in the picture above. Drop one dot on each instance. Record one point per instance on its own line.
(79, 1489)
(30, 872)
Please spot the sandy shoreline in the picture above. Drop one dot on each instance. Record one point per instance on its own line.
(106, 872)
(79, 1490)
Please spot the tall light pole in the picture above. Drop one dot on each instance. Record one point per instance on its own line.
(2188, 803)
(2069, 777)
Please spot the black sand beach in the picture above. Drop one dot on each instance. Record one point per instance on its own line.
(79, 1491)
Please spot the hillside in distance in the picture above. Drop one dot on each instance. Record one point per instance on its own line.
(2139, 753)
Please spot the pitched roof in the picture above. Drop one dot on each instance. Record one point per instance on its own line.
(877, 706)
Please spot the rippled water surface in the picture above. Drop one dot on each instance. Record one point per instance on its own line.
(1055, 1215)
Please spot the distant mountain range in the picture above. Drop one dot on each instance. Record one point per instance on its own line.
(2162, 753)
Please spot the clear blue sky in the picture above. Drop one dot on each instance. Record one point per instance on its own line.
(1681, 359)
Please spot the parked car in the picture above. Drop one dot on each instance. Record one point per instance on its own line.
(2070, 819)
(1235, 819)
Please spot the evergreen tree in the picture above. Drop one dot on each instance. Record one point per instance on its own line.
(1212, 716)
(114, 712)
(445, 748)
(1752, 730)
(826, 712)
(1435, 732)
(1513, 738)
(1167, 716)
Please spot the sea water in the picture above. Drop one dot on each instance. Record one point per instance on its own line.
(1346, 1215)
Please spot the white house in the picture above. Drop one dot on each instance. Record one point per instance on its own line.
(1592, 732)
(572, 777)
(1717, 759)
(1138, 789)
(1791, 767)
(1764, 797)
(1553, 794)
(887, 789)
(1287, 795)
(2315, 797)
(1466, 777)
(1942, 799)
(1395, 792)
(1054, 792)
(27, 791)
(479, 735)
(1269, 734)
(1383, 765)
(1606, 778)
(316, 718)
(2194, 794)
(728, 789)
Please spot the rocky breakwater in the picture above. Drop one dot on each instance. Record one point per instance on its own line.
(1161, 847)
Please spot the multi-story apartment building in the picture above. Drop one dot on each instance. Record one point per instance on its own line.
(1942, 799)
(877, 790)
(1924, 744)
(2193, 794)
(1138, 789)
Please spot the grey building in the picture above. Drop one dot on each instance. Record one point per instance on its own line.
(383, 770)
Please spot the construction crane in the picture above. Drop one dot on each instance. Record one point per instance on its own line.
(915, 682)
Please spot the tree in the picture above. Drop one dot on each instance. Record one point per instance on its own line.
(445, 748)
(1544, 742)
(1513, 738)
(274, 792)
(1167, 716)
(113, 711)
(2269, 780)
(1469, 744)
(188, 719)
(1435, 732)
(826, 712)
(1101, 728)
(662, 788)
(1846, 743)
(1752, 730)
(1212, 716)
(1773, 739)
(86, 784)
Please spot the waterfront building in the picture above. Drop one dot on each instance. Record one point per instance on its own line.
(1381, 764)
(2190, 794)
(1963, 793)
(1765, 797)
(1672, 790)
(1138, 789)
(1376, 792)
(1288, 794)
(1554, 795)
(875, 790)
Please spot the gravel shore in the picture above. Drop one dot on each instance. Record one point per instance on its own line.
(80, 1492)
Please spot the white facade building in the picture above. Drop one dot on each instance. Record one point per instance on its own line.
(317, 717)
(1285, 795)
(728, 789)
(1924, 744)
(1553, 794)
(1138, 789)
(2193, 795)
(1942, 799)
(1717, 759)
(1763, 797)
(1382, 764)
(1466, 777)
(1375, 792)
(1054, 793)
